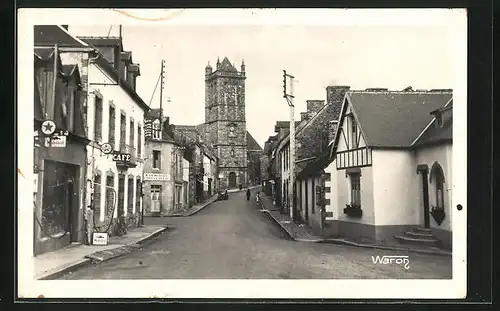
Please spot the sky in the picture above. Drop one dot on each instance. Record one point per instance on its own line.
(318, 56)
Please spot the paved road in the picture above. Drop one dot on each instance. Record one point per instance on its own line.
(232, 239)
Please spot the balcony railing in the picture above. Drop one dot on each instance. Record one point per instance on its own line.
(124, 148)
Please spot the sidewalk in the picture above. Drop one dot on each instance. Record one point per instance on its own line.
(302, 233)
(198, 207)
(52, 265)
(195, 208)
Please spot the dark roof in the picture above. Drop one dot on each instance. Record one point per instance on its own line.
(185, 127)
(284, 125)
(252, 144)
(113, 73)
(153, 113)
(226, 66)
(44, 54)
(435, 133)
(102, 41)
(49, 35)
(394, 119)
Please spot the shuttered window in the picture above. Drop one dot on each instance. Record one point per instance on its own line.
(112, 120)
(98, 119)
(139, 141)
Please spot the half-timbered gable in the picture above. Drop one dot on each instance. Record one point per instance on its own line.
(352, 150)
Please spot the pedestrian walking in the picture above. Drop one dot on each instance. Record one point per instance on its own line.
(248, 194)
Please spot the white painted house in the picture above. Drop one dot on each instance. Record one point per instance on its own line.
(391, 177)
(114, 115)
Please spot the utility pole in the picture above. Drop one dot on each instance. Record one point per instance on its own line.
(289, 96)
(161, 94)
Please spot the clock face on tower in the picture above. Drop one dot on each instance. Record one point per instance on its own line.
(232, 130)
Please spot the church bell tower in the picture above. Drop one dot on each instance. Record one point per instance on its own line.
(225, 120)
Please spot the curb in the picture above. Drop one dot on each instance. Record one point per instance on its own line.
(211, 200)
(88, 261)
(62, 271)
(285, 230)
(344, 242)
(152, 235)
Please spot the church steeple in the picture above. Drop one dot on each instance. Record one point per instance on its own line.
(242, 65)
(208, 69)
(218, 64)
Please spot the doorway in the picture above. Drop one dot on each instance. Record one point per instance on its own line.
(121, 196)
(232, 180)
(424, 172)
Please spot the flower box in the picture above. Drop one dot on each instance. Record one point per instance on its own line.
(353, 211)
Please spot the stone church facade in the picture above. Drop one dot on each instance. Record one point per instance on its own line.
(225, 125)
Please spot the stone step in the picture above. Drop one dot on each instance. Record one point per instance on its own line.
(417, 234)
(417, 241)
(421, 229)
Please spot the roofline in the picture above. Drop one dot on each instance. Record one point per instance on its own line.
(309, 121)
(103, 63)
(428, 125)
(441, 141)
(75, 38)
(390, 147)
(347, 100)
(66, 49)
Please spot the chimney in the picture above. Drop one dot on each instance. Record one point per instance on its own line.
(304, 116)
(65, 27)
(314, 106)
(335, 96)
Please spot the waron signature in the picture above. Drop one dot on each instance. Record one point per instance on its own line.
(387, 260)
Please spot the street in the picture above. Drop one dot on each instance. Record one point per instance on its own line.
(233, 240)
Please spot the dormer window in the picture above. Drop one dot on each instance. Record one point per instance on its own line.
(156, 129)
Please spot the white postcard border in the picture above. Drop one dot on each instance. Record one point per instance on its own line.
(407, 289)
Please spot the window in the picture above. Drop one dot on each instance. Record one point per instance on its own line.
(437, 177)
(313, 196)
(156, 159)
(139, 140)
(110, 196)
(155, 198)
(138, 187)
(97, 196)
(354, 132)
(232, 150)
(156, 129)
(112, 119)
(131, 133)
(130, 196)
(98, 119)
(355, 189)
(123, 129)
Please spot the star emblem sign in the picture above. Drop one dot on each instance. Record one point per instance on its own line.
(48, 127)
(106, 148)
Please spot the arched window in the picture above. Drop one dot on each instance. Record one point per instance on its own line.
(437, 178)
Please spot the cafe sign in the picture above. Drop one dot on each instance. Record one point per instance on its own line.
(121, 157)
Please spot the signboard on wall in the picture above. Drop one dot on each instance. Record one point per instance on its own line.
(156, 177)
